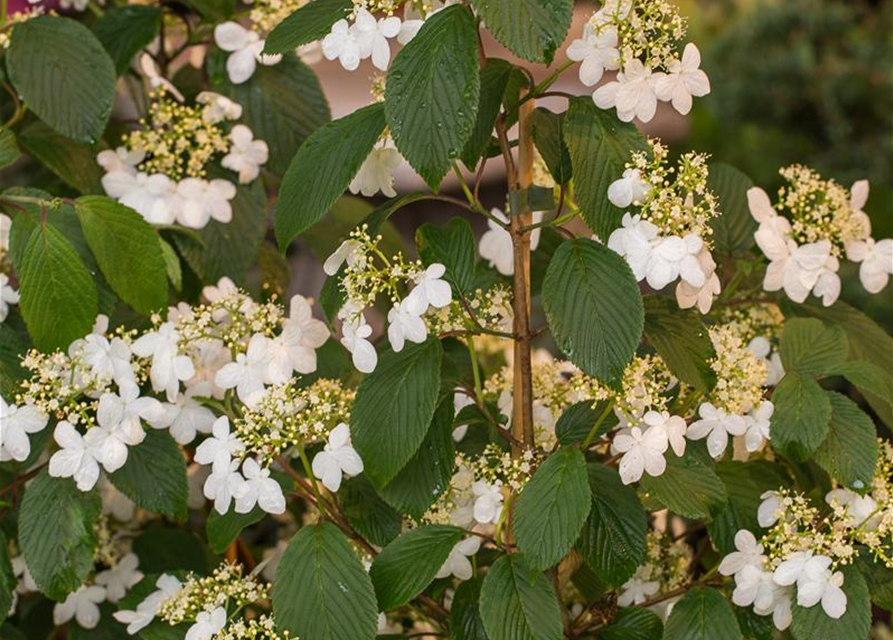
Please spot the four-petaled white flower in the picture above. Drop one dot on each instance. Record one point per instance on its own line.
(201, 201)
(429, 290)
(354, 336)
(76, 459)
(120, 578)
(749, 554)
(8, 296)
(757, 587)
(716, 425)
(688, 295)
(109, 358)
(634, 241)
(375, 173)
(187, 416)
(148, 195)
(674, 257)
(223, 484)
(758, 421)
(301, 336)
(207, 624)
(862, 509)
(405, 325)
(342, 43)
(487, 501)
(629, 189)
(218, 108)
(684, 79)
(258, 489)
(769, 509)
(249, 372)
(457, 563)
(221, 446)
(643, 452)
(245, 50)
(168, 366)
(673, 426)
(876, 260)
(82, 605)
(349, 251)
(815, 582)
(632, 93)
(637, 589)
(372, 36)
(142, 617)
(337, 458)
(496, 243)
(597, 52)
(16, 422)
(246, 155)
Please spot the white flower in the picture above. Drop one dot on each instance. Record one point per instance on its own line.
(372, 35)
(208, 357)
(762, 348)
(246, 155)
(244, 47)
(673, 257)
(121, 159)
(758, 426)
(15, 425)
(342, 43)
(770, 508)
(26, 582)
(688, 295)
(754, 586)
(168, 366)
(791, 569)
(749, 554)
(109, 358)
(859, 508)
(258, 489)
(457, 563)
(153, 75)
(876, 259)
(207, 624)
(461, 399)
(716, 425)
(597, 52)
(148, 195)
(637, 589)
(224, 288)
(76, 459)
(673, 426)
(354, 334)
(221, 446)
(634, 240)
(187, 416)
(224, 483)
(683, 79)
(142, 617)
(629, 189)
(337, 457)
(487, 501)
(816, 583)
(120, 578)
(430, 289)
(350, 251)
(642, 452)
(249, 372)
(375, 173)
(204, 200)
(82, 605)
(301, 335)
(496, 243)
(632, 93)
(218, 108)
(122, 412)
(405, 325)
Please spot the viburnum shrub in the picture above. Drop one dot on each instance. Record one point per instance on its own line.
(667, 429)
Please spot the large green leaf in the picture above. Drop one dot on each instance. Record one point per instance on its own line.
(128, 251)
(578, 420)
(282, 104)
(814, 624)
(702, 614)
(8, 582)
(9, 150)
(124, 31)
(689, 487)
(453, 246)
(811, 348)
(431, 98)
(613, 540)
(518, 603)
(465, 615)
(58, 297)
(532, 29)
(681, 339)
(154, 476)
(394, 407)
(495, 75)
(548, 135)
(802, 413)
(373, 518)
(74, 162)
(407, 565)
(322, 591)
(63, 74)
(56, 534)
(311, 22)
(322, 168)
(594, 307)
(633, 623)
(849, 453)
(600, 146)
(552, 508)
(164, 548)
(733, 230)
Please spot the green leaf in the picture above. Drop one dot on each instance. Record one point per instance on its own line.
(733, 230)
(393, 408)
(167, 549)
(548, 135)
(689, 487)
(532, 29)
(154, 476)
(453, 246)
(869, 378)
(222, 530)
(799, 423)
(879, 579)
(495, 75)
(591, 133)
(814, 624)
(63, 74)
(9, 150)
(518, 603)
(465, 616)
(322, 591)
(681, 339)
(13, 345)
(125, 31)
(407, 565)
(578, 420)
(322, 168)
(8, 581)
(427, 474)
(633, 623)
(702, 614)
(58, 297)
(172, 264)
(74, 162)
(811, 348)
(552, 508)
(213, 10)
(128, 251)
(282, 104)
(849, 453)
(372, 517)
(431, 98)
(613, 540)
(594, 307)
(311, 22)
(56, 534)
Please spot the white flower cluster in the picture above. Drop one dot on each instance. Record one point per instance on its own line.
(160, 170)
(362, 280)
(636, 39)
(668, 235)
(823, 222)
(759, 327)
(665, 568)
